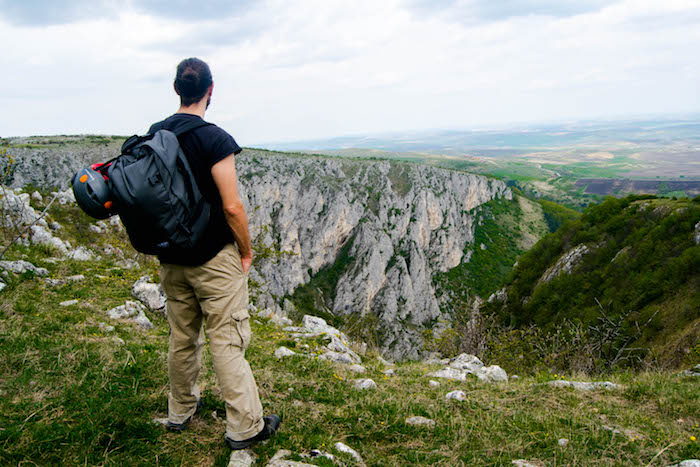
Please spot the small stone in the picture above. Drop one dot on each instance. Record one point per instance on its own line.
(94, 228)
(118, 340)
(456, 395)
(688, 463)
(76, 278)
(563, 442)
(348, 450)
(297, 403)
(357, 368)
(389, 372)
(420, 421)
(338, 357)
(69, 302)
(524, 463)
(450, 373)
(36, 196)
(365, 383)
(55, 226)
(434, 384)
(160, 421)
(582, 385)
(241, 458)
(2, 286)
(81, 254)
(384, 362)
(514, 377)
(150, 294)
(282, 352)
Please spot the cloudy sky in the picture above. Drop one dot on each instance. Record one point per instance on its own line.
(303, 69)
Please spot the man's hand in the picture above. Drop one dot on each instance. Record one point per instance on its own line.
(246, 262)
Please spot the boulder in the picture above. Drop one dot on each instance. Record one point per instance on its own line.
(133, 312)
(450, 373)
(365, 383)
(82, 254)
(583, 385)
(41, 236)
(456, 395)
(241, 458)
(344, 448)
(420, 421)
(338, 357)
(21, 266)
(282, 352)
(150, 294)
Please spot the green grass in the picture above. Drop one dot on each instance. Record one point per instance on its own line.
(73, 396)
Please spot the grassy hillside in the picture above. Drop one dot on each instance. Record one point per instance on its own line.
(72, 394)
(632, 297)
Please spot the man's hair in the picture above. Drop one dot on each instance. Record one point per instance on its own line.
(192, 80)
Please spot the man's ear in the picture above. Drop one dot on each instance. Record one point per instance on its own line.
(175, 88)
(211, 89)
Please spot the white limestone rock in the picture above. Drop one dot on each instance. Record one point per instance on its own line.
(365, 383)
(2, 286)
(450, 373)
(36, 196)
(282, 352)
(565, 264)
(494, 374)
(688, 463)
(466, 362)
(41, 236)
(456, 395)
(357, 368)
(338, 357)
(21, 266)
(70, 302)
(563, 442)
(133, 312)
(344, 448)
(583, 385)
(434, 384)
(389, 372)
(82, 254)
(150, 294)
(691, 372)
(420, 421)
(241, 458)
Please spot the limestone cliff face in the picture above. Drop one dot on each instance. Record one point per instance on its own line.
(405, 222)
(398, 224)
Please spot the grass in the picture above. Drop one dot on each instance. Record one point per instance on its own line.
(73, 396)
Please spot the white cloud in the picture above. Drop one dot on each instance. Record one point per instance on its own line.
(319, 68)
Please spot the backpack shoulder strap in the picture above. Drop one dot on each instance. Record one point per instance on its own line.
(187, 127)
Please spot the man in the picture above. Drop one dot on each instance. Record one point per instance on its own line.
(207, 286)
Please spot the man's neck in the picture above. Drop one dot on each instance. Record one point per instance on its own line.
(196, 109)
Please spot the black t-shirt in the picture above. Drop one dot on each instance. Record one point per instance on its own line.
(204, 147)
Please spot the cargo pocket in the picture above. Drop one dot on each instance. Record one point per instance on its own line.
(240, 329)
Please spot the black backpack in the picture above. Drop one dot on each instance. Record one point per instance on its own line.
(156, 194)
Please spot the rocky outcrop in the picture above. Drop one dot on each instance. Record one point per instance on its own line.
(389, 228)
(565, 264)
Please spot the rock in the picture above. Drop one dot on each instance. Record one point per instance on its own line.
(75, 278)
(55, 226)
(365, 383)
(282, 352)
(494, 373)
(456, 395)
(278, 460)
(696, 234)
(36, 196)
(434, 384)
(150, 294)
(420, 421)
(357, 368)
(389, 372)
(160, 421)
(106, 327)
(565, 264)
(15, 209)
(65, 197)
(524, 463)
(69, 302)
(582, 385)
(450, 373)
(94, 228)
(693, 372)
(688, 463)
(21, 266)
(241, 458)
(2, 286)
(318, 453)
(82, 254)
(118, 340)
(513, 377)
(41, 236)
(128, 264)
(116, 222)
(131, 311)
(338, 357)
(563, 442)
(348, 450)
(466, 362)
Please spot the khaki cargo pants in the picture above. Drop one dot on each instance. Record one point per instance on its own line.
(215, 295)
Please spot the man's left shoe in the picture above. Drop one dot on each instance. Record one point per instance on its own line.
(181, 426)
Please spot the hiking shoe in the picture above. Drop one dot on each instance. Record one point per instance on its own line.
(272, 423)
(181, 426)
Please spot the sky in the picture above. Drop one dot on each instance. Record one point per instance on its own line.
(311, 69)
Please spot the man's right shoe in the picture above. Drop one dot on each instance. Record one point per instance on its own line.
(181, 426)
(272, 423)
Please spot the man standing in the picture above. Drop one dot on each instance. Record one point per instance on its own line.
(207, 285)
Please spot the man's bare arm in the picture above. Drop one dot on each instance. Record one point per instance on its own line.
(224, 173)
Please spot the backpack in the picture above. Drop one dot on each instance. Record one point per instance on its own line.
(155, 192)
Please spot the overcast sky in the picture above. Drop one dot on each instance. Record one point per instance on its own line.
(303, 69)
